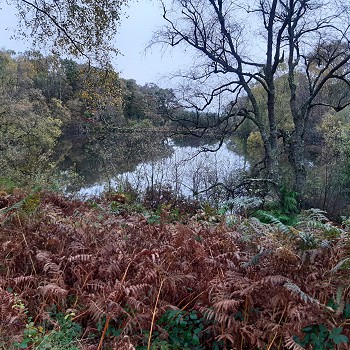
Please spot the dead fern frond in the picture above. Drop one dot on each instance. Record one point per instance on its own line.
(82, 258)
(291, 344)
(76, 247)
(138, 290)
(43, 256)
(255, 287)
(125, 344)
(343, 264)
(224, 318)
(227, 305)
(97, 310)
(286, 254)
(275, 280)
(52, 289)
(95, 286)
(254, 260)
(52, 268)
(226, 337)
(24, 280)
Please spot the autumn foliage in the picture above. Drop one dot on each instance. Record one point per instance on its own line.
(253, 285)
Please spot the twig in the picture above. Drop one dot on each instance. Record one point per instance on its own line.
(276, 334)
(25, 241)
(153, 315)
(104, 333)
(192, 300)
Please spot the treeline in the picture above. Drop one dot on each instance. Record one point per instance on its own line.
(57, 111)
(44, 99)
(87, 94)
(326, 145)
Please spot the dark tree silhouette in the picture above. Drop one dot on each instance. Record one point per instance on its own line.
(242, 45)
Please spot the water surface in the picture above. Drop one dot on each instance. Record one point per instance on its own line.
(185, 169)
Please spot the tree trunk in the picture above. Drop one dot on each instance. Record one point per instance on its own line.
(296, 156)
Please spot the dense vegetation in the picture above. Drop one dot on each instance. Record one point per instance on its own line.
(253, 269)
(84, 29)
(55, 111)
(250, 267)
(279, 65)
(112, 274)
(59, 117)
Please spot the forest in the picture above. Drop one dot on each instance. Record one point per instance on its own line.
(49, 103)
(254, 257)
(47, 100)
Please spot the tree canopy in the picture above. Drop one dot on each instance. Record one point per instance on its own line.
(83, 28)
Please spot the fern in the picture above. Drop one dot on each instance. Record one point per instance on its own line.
(315, 214)
(314, 221)
(269, 218)
(289, 201)
(252, 282)
(307, 240)
(52, 289)
(255, 259)
(291, 344)
(243, 204)
(343, 264)
(295, 290)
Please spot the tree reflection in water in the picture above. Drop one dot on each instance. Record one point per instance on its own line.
(146, 160)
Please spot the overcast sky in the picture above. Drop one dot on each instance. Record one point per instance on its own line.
(144, 17)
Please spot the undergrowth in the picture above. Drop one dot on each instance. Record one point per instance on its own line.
(118, 280)
(56, 333)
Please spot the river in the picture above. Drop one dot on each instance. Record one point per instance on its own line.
(149, 162)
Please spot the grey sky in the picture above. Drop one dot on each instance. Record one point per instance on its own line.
(144, 17)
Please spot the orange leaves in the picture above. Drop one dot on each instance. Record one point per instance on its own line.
(249, 289)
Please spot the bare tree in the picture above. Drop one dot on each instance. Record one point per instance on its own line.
(242, 45)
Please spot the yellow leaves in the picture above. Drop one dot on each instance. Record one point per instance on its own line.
(282, 96)
(53, 130)
(8, 71)
(31, 203)
(336, 135)
(255, 140)
(255, 144)
(85, 95)
(60, 112)
(85, 28)
(28, 133)
(331, 124)
(102, 88)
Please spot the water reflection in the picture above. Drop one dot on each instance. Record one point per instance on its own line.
(147, 161)
(97, 160)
